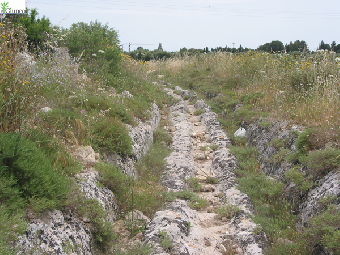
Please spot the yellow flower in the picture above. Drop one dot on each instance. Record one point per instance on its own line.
(0, 24)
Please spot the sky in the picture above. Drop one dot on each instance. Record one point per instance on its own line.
(202, 23)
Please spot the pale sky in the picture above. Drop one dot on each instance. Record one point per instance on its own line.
(202, 23)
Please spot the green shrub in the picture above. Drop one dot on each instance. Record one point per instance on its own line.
(324, 229)
(198, 112)
(114, 179)
(29, 173)
(166, 242)
(195, 202)
(227, 211)
(111, 134)
(298, 178)
(322, 161)
(160, 135)
(194, 184)
(211, 180)
(280, 156)
(252, 98)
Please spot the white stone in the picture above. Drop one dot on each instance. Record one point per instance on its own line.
(241, 132)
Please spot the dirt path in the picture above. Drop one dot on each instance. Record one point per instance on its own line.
(200, 151)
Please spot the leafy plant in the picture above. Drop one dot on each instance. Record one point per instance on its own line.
(198, 112)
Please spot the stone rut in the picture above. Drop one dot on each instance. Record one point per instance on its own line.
(200, 150)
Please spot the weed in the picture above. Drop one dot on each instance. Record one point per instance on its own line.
(324, 230)
(280, 156)
(299, 178)
(186, 97)
(322, 161)
(112, 135)
(227, 211)
(198, 112)
(166, 242)
(194, 184)
(195, 202)
(214, 147)
(211, 180)
(327, 200)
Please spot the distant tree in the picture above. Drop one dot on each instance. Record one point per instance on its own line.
(333, 46)
(273, 46)
(296, 46)
(160, 47)
(324, 46)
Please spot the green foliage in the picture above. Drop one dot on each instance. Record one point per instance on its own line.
(322, 161)
(195, 202)
(97, 44)
(12, 225)
(139, 248)
(111, 134)
(194, 184)
(299, 178)
(267, 190)
(211, 180)
(161, 136)
(36, 29)
(114, 179)
(324, 229)
(273, 46)
(198, 112)
(166, 241)
(252, 98)
(327, 200)
(102, 232)
(278, 143)
(280, 156)
(227, 211)
(30, 174)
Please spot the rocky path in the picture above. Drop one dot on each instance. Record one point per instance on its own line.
(200, 151)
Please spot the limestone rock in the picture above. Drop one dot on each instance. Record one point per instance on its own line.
(241, 132)
(86, 155)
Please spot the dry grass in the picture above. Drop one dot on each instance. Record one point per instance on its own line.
(303, 89)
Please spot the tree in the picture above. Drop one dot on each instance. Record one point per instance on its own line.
(160, 48)
(324, 46)
(37, 30)
(274, 46)
(97, 44)
(90, 38)
(296, 46)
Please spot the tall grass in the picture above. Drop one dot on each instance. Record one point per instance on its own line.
(302, 88)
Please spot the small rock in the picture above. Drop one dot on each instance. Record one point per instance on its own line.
(241, 132)
(46, 109)
(207, 241)
(210, 209)
(208, 188)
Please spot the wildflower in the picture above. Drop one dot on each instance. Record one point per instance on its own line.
(94, 55)
(101, 51)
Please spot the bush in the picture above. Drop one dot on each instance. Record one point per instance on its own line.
(194, 184)
(322, 161)
(298, 178)
(324, 229)
(112, 135)
(227, 211)
(29, 174)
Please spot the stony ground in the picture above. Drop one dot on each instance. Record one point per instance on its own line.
(200, 151)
